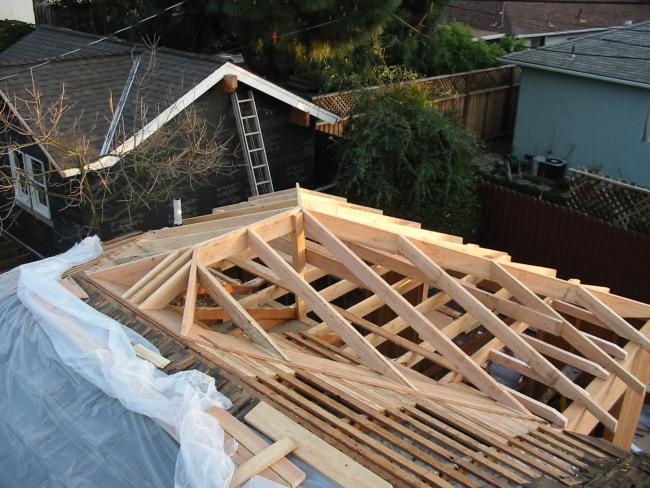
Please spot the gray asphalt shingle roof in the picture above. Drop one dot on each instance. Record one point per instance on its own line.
(95, 77)
(621, 54)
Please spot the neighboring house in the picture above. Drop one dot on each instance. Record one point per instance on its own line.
(22, 10)
(587, 101)
(108, 87)
(543, 23)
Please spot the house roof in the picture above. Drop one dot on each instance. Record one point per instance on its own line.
(524, 19)
(94, 79)
(620, 55)
(195, 282)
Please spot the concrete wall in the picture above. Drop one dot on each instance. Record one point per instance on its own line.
(586, 122)
(22, 10)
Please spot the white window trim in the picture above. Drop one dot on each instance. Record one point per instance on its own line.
(30, 198)
(21, 196)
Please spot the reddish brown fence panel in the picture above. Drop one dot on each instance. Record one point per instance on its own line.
(538, 232)
(483, 101)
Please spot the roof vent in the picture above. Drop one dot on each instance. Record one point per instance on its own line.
(627, 22)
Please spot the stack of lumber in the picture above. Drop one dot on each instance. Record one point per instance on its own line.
(364, 334)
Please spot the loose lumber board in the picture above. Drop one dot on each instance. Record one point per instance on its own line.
(312, 449)
(261, 461)
(245, 436)
(156, 359)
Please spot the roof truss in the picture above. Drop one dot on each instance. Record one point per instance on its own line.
(301, 258)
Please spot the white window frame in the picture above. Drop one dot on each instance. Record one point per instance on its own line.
(19, 175)
(28, 196)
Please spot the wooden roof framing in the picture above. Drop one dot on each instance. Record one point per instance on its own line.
(305, 277)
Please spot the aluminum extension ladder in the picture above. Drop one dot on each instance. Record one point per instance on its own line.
(250, 136)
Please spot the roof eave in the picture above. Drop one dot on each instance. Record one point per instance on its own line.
(191, 96)
(579, 74)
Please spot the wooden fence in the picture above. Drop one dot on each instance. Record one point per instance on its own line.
(578, 246)
(483, 101)
(614, 201)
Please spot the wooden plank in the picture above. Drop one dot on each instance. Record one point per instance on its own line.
(189, 307)
(628, 417)
(242, 454)
(541, 367)
(298, 257)
(312, 449)
(260, 461)
(541, 409)
(605, 391)
(404, 309)
(73, 287)
(568, 331)
(155, 271)
(254, 209)
(126, 274)
(217, 313)
(610, 318)
(290, 278)
(395, 339)
(169, 289)
(566, 357)
(514, 310)
(609, 347)
(576, 312)
(238, 313)
(154, 358)
(235, 242)
(470, 261)
(248, 438)
(515, 364)
(161, 275)
(298, 360)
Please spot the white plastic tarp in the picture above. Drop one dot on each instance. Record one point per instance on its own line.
(98, 349)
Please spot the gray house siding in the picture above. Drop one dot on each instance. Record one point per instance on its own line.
(586, 122)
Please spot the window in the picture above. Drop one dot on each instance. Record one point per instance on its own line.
(646, 130)
(30, 182)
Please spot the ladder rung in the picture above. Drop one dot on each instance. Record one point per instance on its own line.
(251, 133)
(259, 166)
(256, 149)
(248, 117)
(263, 182)
(244, 100)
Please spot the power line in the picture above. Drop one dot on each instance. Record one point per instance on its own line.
(96, 41)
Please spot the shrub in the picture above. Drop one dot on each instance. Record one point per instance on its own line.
(404, 156)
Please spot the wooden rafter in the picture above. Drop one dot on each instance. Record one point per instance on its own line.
(323, 249)
(404, 309)
(541, 368)
(323, 308)
(238, 313)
